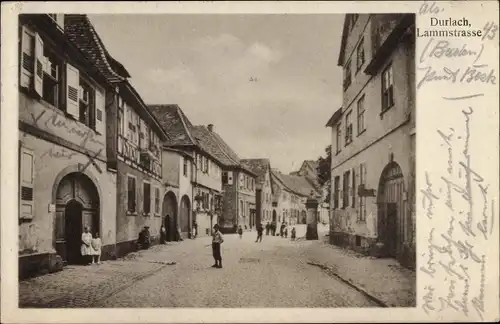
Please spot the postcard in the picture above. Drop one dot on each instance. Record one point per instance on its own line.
(265, 161)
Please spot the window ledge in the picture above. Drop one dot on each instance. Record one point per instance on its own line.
(146, 214)
(131, 213)
(382, 113)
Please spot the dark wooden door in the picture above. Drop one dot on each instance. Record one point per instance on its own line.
(73, 232)
(391, 228)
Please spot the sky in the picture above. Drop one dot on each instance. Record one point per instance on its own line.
(268, 83)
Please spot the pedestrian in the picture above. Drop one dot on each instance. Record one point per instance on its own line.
(260, 229)
(217, 240)
(267, 228)
(273, 228)
(179, 234)
(86, 248)
(282, 227)
(163, 234)
(195, 226)
(286, 232)
(240, 232)
(96, 246)
(293, 234)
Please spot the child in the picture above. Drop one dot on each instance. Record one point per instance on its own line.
(217, 240)
(240, 232)
(96, 247)
(293, 234)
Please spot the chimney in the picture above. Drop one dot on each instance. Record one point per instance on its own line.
(210, 127)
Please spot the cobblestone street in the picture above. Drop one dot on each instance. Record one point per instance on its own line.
(274, 273)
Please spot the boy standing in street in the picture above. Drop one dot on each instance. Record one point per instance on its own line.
(217, 240)
(260, 229)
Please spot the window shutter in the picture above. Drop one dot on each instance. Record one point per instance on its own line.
(100, 122)
(60, 20)
(27, 175)
(353, 189)
(230, 178)
(72, 93)
(27, 63)
(39, 62)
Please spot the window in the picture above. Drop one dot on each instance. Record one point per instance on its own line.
(86, 104)
(338, 138)
(26, 186)
(146, 202)
(242, 212)
(353, 189)
(345, 189)
(157, 201)
(224, 178)
(185, 167)
(206, 164)
(361, 115)
(347, 75)
(360, 55)
(131, 195)
(387, 88)
(52, 81)
(348, 128)
(362, 200)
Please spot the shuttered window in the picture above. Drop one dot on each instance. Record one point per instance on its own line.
(131, 195)
(146, 187)
(157, 200)
(26, 186)
(39, 65)
(362, 200)
(72, 91)
(27, 59)
(100, 122)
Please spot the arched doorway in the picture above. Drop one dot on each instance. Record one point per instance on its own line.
(274, 215)
(77, 206)
(303, 217)
(169, 208)
(390, 208)
(184, 213)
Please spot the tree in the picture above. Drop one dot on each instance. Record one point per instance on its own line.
(324, 171)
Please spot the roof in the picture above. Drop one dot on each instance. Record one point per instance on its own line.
(297, 184)
(335, 118)
(175, 123)
(213, 144)
(82, 33)
(205, 141)
(343, 43)
(258, 166)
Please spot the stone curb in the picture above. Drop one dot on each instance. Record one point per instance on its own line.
(331, 271)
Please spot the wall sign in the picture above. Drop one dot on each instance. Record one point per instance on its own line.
(52, 208)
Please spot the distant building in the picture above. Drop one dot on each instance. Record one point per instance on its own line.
(263, 192)
(201, 173)
(308, 170)
(290, 193)
(373, 134)
(134, 136)
(238, 182)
